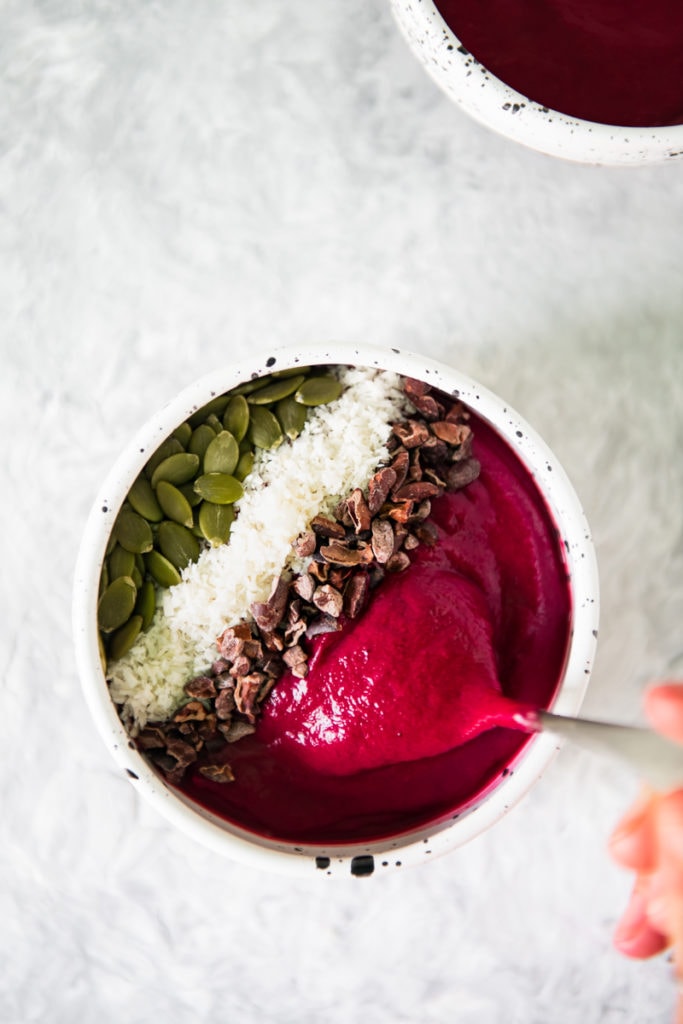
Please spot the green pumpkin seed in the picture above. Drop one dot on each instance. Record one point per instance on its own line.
(222, 454)
(319, 390)
(293, 371)
(163, 571)
(220, 488)
(236, 416)
(196, 528)
(244, 466)
(177, 544)
(116, 604)
(133, 532)
(250, 385)
(124, 637)
(120, 563)
(183, 433)
(292, 416)
(170, 446)
(213, 408)
(145, 605)
(174, 503)
(215, 522)
(104, 580)
(276, 390)
(190, 494)
(177, 468)
(142, 498)
(264, 429)
(136, 577)
(103, 653)
(214, 422)
(202, 436)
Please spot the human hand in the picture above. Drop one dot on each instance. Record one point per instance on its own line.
(649, 841)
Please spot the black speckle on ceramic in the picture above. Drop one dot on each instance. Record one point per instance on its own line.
(362, 865)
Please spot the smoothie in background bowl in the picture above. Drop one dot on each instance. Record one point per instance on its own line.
(293, 582)
(598, 82)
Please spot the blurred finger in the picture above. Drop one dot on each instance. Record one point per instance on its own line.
(633, 840)
(665, 895)
(664, 709)
(635, 936)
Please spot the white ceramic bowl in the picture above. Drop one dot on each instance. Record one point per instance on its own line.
(488, 100)
(401, 850)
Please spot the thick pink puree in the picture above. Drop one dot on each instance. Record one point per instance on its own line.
(376, 739)
(614, 61)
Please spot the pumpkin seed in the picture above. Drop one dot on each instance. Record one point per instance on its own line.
(124, 637)
(319, 390)
(264, 429)
(104, 580)
(163, 571)
(136, 577)
(213, 408)
(236, 416)
(145, 605)
(292, 416)
(177, 543)
(183, 433)
(174, 503)
(220, 488)
(170, 446)
(196, 528)
(250, 385)
(215, 522)
(120, 563)
(202, 436)
(276, 390)
(190, 494)
(244, 466)
(293, 371)
(222, 454)
(143, 500)
(116, 604)
(214, 422)
(177, 469)
(133, 532)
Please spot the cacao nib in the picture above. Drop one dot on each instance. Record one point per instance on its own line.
(217, 772)
(203, 687)
(359, 511)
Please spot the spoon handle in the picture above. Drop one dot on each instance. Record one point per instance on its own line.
(656, 759)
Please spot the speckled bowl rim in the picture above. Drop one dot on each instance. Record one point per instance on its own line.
(492, 103)
(419, 845)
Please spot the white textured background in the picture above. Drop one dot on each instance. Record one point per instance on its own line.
(181, 182)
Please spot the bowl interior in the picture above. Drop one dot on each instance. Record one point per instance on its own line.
(415, 845)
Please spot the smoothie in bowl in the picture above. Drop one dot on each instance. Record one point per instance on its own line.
(307, 591)
(597, 83)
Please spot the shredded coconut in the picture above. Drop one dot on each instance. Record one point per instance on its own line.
(340, 447)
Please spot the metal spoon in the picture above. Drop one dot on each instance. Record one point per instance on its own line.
(657, 760)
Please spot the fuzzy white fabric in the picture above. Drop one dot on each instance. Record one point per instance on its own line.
(181, 183)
